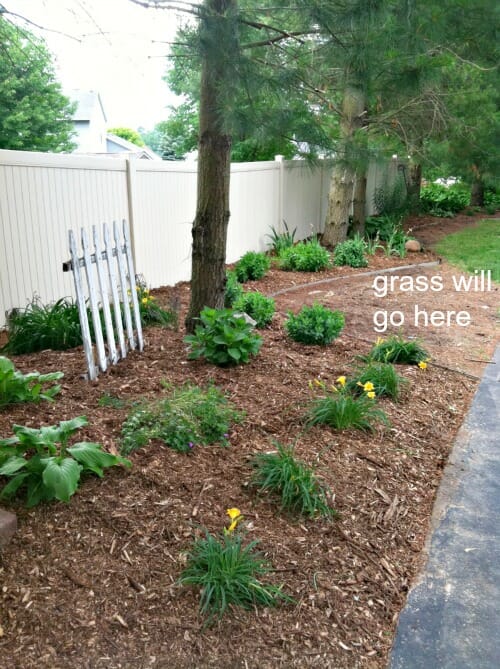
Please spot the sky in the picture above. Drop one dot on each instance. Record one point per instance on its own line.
(110, 46)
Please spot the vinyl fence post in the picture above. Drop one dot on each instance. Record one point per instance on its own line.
(131, 190)
(281, 186)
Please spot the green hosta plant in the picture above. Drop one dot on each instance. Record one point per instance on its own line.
(233, 290)
(350, 253)
(228, 573)
(42, 462)
(293, 481)
(252, 266)
(307, 256)
(223, 337)
(315, 324)
(257, 306)
(18, 387)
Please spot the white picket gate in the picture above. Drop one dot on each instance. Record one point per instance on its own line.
(110, 277)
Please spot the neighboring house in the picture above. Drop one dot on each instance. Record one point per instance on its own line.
(92, 138)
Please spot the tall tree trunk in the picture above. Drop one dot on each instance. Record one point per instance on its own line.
(359, 203)
(414, 184)
(477, 190)
(342, 185)
(208, 273)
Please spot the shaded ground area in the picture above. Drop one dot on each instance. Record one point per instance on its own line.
(93, 583)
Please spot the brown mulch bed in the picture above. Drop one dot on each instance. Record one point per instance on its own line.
(92, 583)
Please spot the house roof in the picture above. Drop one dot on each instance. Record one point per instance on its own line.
(86, 101)
(129, 147)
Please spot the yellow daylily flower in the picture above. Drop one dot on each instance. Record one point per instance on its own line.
(368, 386)
(144, 300)
(233, 513)
(371, 394)
(341, 381)
(422, 364)
(232, 527)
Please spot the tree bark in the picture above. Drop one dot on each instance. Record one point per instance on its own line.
(341, 192)
(477, 191)
(359, 204)
(414, 185)
(208, 272)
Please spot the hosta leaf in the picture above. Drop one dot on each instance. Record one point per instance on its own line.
(235, 353)
(12, 465)
(37, 491)
(61, 477)
(13, 485)
(94, 459)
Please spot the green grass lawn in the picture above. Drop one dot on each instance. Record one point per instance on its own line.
(474, 248)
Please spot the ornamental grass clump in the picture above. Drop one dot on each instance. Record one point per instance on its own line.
(223, 337)
(32, 387)
(398, 350)
(292, 481)
(257, 306)
(384, 377)
(315, 324)
(341, 409)
(189, 417)
(228, 572)
(307, 256)
(252, 266)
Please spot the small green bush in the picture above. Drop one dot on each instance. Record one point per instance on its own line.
(39, 327)
(444, 201)
(223, 338)
(315, 324)
(18, 387)
(294, 482)
(307, 256)
(382, 226)
(257, 306)
(228, 573)
(188, 417)
(42, 462)
(350, 253)
(233, 290)
(252, 266)
(281, 240)
(383, 376)
(398, 350)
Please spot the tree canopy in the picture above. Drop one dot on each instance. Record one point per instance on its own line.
(34, 113)
(129, 134)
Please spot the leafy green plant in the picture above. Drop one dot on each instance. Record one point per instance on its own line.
(307, 256)
(444, 201)
(41, 461)
(150, 311)
(257, 306)
(372, 244)
(38, 327)
(233, 289)
(293, 481)
(383, 377)
(350, 253)
(341, 409)
(281, 240)
(190, 416)
(252, 266)
(111, 401)
(396, 244)
(382, 226)
(223, 338)
(314, 324)
(398, 350)
(18, 387)
(228, 574)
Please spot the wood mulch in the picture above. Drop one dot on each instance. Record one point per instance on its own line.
(93, 584)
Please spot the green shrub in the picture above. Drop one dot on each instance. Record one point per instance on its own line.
(188, 417)
(252, 266)
(350, 253)
(382, 375)
(444, 201)
(42, 462)
(382, 226)
(491, 200)
(38, 327)
(257, 306)
(228, 573)
(281, 240)
(18, 387)
(307, 256)
(223, 338)
(150, 311)
(233, 289)
(341, 409)
(315, 324)
(294, 482)
(398, 350)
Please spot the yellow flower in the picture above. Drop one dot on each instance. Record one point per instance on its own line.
(233, 513)
(341, 381)
(422, 364)
(368, 386)
(371, 394)
(232, 527)
(379, 341)
(144, 300)
(319, 383)
(333, 389)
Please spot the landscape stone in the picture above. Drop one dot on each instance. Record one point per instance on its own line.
(8, 526)
(413, 245)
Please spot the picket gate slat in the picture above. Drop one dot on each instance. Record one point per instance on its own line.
(110, 276)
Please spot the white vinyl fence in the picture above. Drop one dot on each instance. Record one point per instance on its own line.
(42, 196)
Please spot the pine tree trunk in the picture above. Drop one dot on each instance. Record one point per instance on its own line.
(414, 185)
(208, 272)
(341, 192)
(477, 192)
(359, 204)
